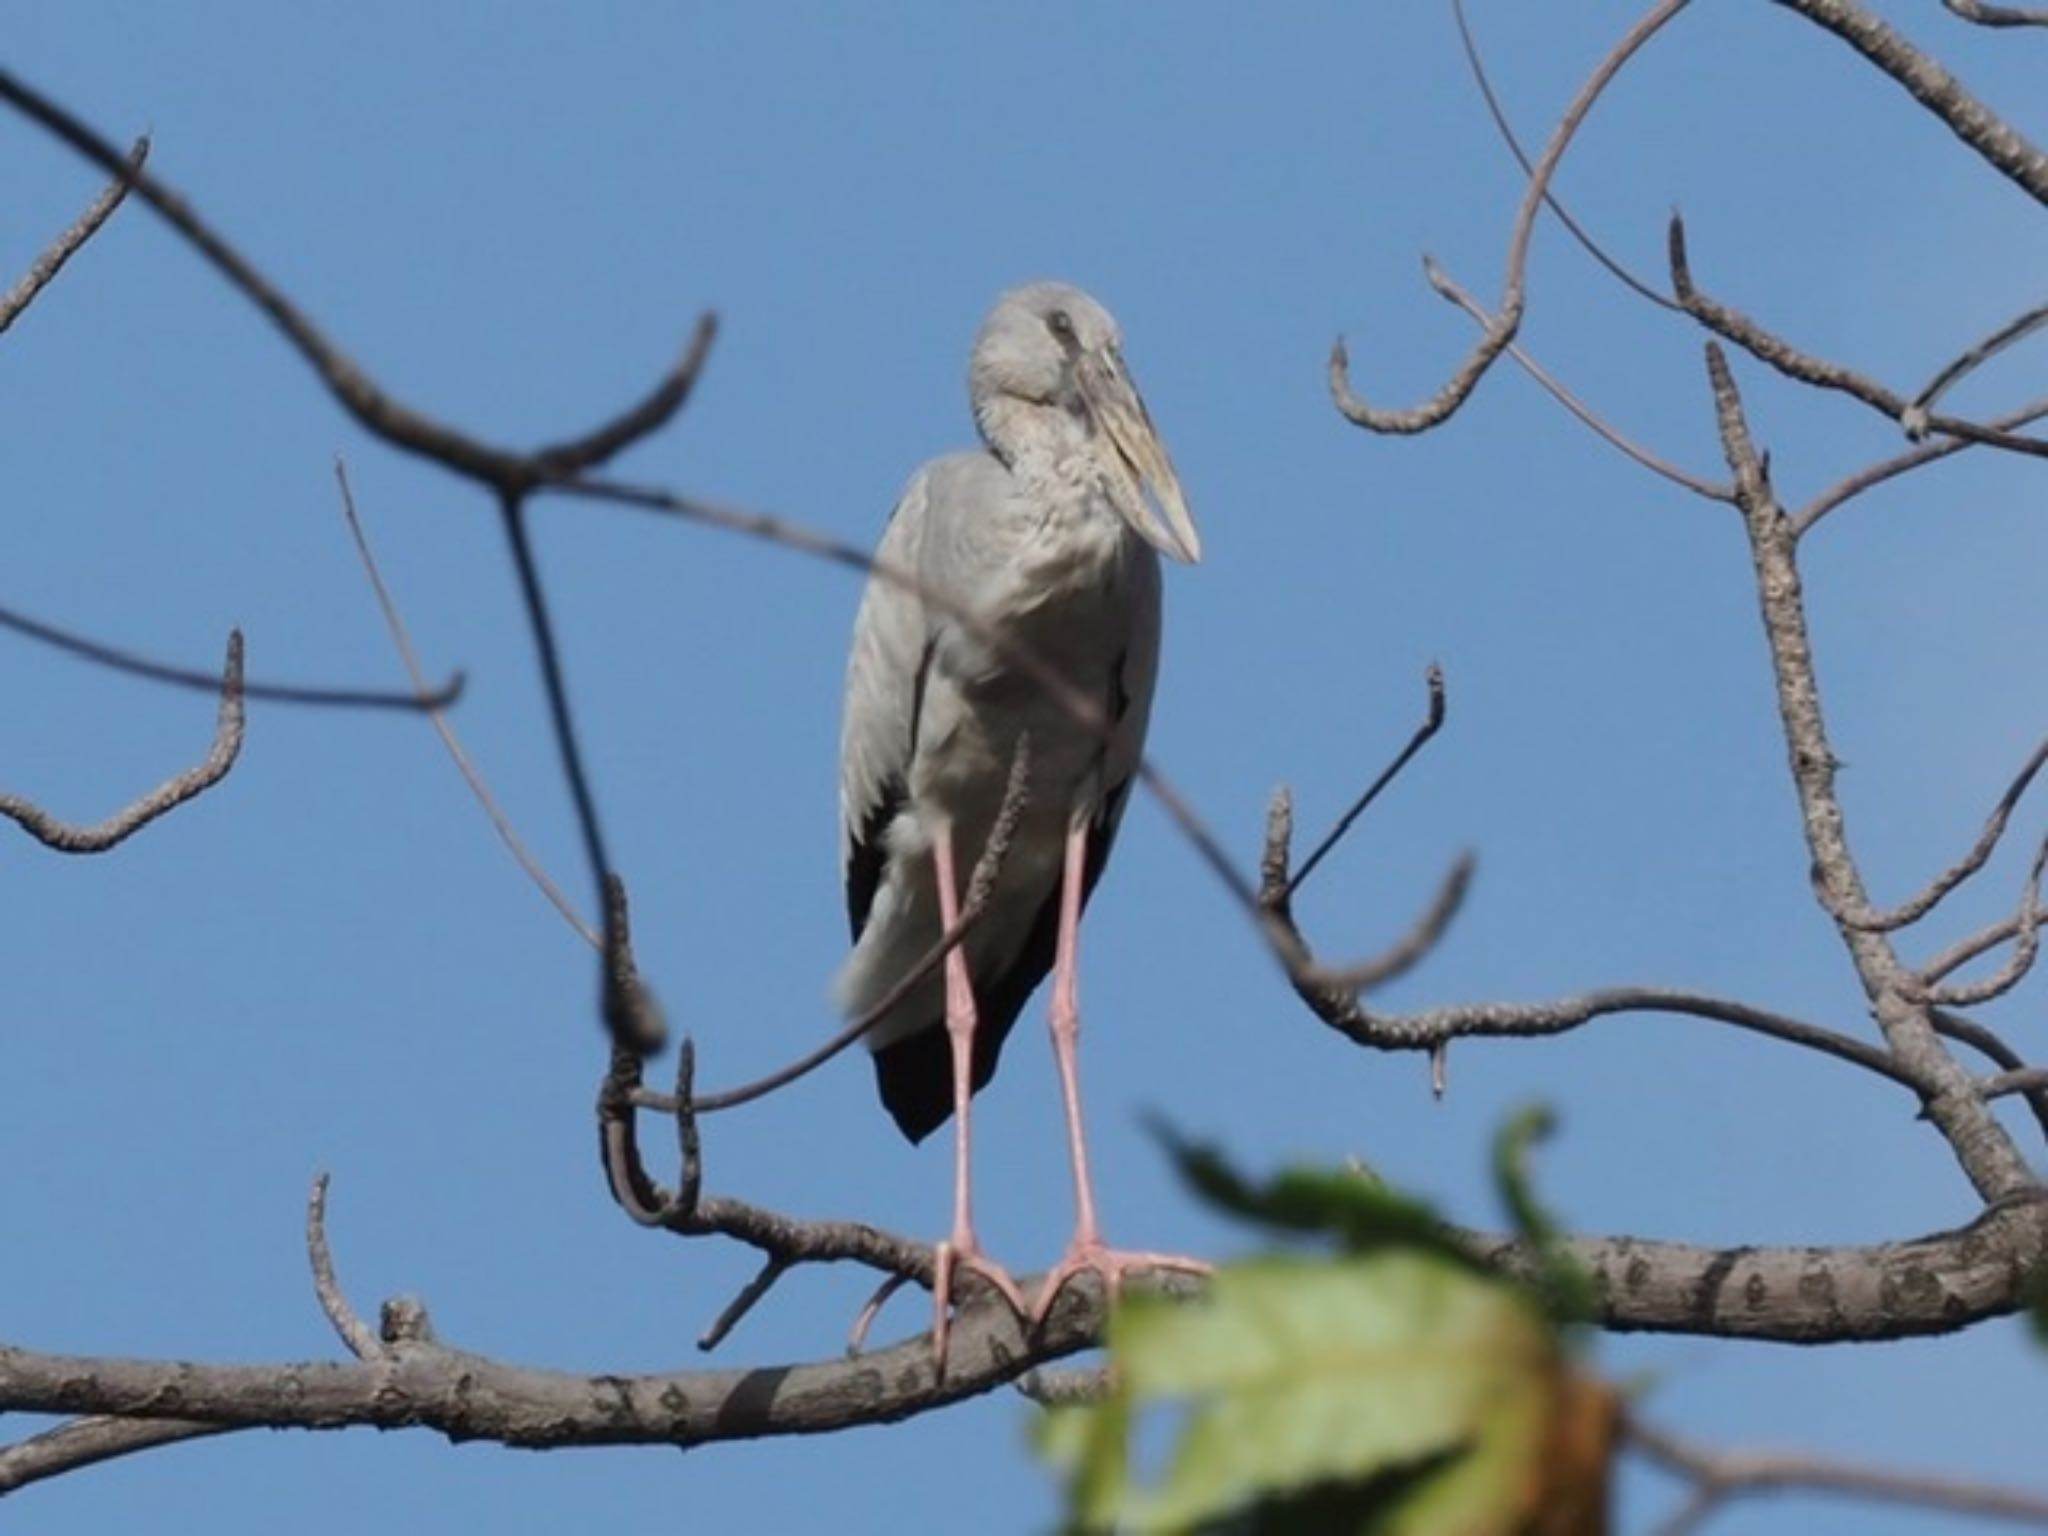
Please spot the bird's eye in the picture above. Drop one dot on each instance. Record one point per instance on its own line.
(1061, 324)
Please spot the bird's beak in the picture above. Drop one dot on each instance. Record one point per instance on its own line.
(1141, 478)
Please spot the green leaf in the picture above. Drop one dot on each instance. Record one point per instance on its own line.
(1362, 1214)
(1562, 1285)
(1399, 1390)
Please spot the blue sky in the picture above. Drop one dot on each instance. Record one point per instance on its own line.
(511, 218)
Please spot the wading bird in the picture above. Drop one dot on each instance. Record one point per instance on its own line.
(1047, 536)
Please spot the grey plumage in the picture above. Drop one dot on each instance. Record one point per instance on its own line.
(1047, 533)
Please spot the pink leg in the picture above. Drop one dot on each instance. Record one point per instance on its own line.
(961, 1250)
(1086, 1251)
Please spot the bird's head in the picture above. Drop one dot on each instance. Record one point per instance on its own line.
(1048, 377)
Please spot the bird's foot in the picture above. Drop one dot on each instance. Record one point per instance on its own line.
(1112, 1264)
(957, 1255)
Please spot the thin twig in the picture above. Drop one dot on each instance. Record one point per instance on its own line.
(773, 1268)
(65, 837)
(1411, 949)
(1719, 1475)
(1998, 15)
(425, 700)
(360, 1338)
(2024, 1080)
(1937, 890)
(84, 1442)
(480, 790)
(1972, 359)
(1712, 490)
(1877, 474)
(2026, 947)
(46, 266)
(508, 472)
(1507, 318)
(980, 886)
(1982, 1038)
(1432, 722)
(1498, 113)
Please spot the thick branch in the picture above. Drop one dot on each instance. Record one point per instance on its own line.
(1981, 1145)
(2001, 145)
(65, 837)
(1766, 346)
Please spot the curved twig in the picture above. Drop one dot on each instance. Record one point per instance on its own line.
(1613, 436)
(1718, 1476)
(1974, 358)
(426, 700)
(1621, 274)
(2026, 946)
(506, 471)
(480, 790)
(1507, 318)
(1877, 474)
(66, 837)
(1937, 890)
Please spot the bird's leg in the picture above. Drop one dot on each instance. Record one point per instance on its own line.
(1086, 1251)
(961, 1250)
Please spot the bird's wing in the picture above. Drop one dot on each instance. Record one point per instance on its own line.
(884, 679)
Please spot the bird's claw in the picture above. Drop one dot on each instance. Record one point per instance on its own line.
(950, 1259)
(1111, 1264)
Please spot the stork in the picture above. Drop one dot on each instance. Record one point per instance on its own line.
(1047, 535)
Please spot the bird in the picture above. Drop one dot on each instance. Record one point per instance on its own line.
(1049, 535)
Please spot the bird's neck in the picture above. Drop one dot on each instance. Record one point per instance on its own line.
(1029, 436)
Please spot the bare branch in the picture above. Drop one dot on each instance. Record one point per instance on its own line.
(1412, 948)
(1972, 359)
(1768, 347)
(1877, 474)
(1897, 997)
(1719, 1476)
(1996, 141)
(507, 472)
(1507, 318)
(1963, 951)
(46, 266)
(1433, 1027)
(2027, 944)
(1432, 722)
(1714, 491)
(2026, 1080)
(172, 793)
(394, 622)
(85, 1442)
(1498, 113)
(1998, 15)
(351, 1329)
(981, 883)
(426, 700)
(1982, 1038)
(1980, 852)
